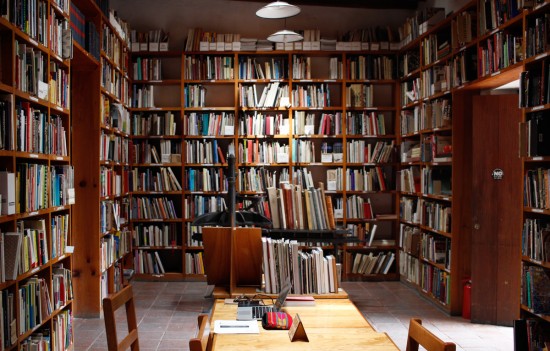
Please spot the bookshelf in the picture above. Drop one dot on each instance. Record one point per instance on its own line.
(227, 99)
(535, 154)
(37, 185)
(101, 157)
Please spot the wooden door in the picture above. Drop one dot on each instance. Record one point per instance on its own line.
(496, 209)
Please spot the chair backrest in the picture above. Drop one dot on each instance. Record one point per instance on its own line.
(111, 304)
(418, 335)
(201, 342)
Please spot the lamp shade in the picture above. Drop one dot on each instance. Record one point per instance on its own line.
(278, 9)
(285, 36)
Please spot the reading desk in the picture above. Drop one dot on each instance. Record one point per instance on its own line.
(332, 324)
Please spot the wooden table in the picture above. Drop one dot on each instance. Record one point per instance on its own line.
(332, 324)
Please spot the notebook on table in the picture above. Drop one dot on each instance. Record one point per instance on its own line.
(245, 313)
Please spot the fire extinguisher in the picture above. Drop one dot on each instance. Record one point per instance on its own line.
(466, 298)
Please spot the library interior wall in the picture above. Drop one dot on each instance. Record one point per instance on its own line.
(223, 16)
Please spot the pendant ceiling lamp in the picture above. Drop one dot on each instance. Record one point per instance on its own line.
(278, 9)
(285, 36)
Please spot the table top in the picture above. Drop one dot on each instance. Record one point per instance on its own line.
(332, 324)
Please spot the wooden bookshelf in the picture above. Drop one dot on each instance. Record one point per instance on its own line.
(100, 96)
(227, 78)
(534, 101)
(33, 111)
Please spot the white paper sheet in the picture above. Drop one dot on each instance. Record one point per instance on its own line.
(236, 327)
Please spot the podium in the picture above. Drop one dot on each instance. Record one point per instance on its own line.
(232, 260)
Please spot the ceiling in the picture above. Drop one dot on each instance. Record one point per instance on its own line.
(372, 4)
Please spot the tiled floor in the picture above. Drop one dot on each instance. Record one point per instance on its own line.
(167, 315)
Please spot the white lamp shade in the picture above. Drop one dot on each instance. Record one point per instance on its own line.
(278, 9)
(285, 36)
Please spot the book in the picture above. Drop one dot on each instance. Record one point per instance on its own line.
(12, 251)
(7, 192)
(299, 301)
(371, 234)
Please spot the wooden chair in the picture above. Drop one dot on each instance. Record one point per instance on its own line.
(418, 335)
(201, 342)
(111, 304)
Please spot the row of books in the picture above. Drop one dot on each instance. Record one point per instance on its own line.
(272, 95)
(110, 182)
(144, 96)
(435, 281)
(420, 23)
(435, 80)
(432, 115)
(30, 17)
(159, 180)
(258, 123)
(8, 330)
(194, 95)
(152, 208)
(208, 68)
(62, 185)
(203, 152)
(116, 83)
(293, 206)
(312, 96)
(411, 91)
(435, 215)
(60, 234)
(309, 272)
(435, 47)
(147, 69)
(362, 151)
(199, 205)
(114, 48)
(371, 67)
(501, 50)
(254, 151)
(301, 67)
(113, 148)
(62, 286)
(536, 191)
(274, 68)
(7, 139)
(205, 180)
(366, 264)
(35, 304)
(31, 70)
(358, 207)
(366, 123)
(535, 239)
(63, 330)
(113, 247)
(535, 289)
(359, 95)
(146, 262)
(112, 214)
(114, 115)
(436, 181)
(194, 263)
(154, 124)
(493, 13)
(535, 85)
(436, 249)
(145, 152)
(59, 86)
(307, 123)
(363, 179)
(28, 248)
(209, 124)
(157, 235)
(537, 35)
(36, 133)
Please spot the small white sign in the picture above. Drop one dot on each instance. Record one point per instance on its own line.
(326, 158)
(282, 158)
